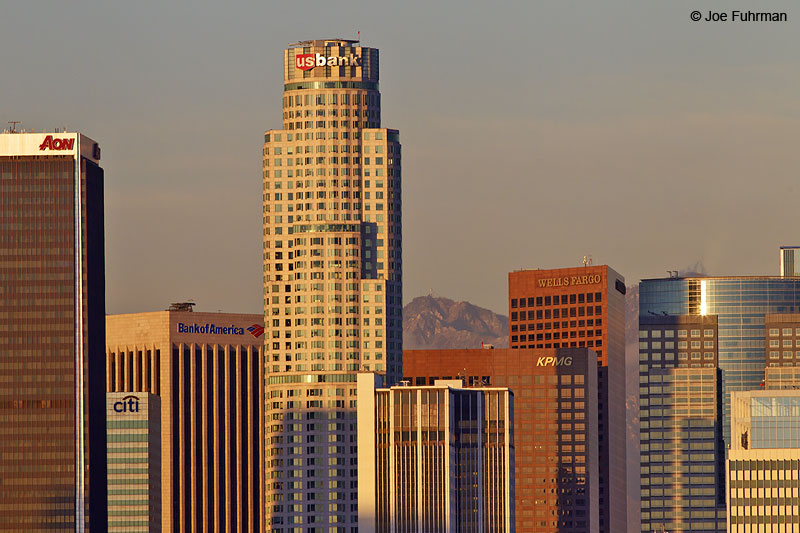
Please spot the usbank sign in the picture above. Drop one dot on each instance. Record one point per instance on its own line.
(309, 61)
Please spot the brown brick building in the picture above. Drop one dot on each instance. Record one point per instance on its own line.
(555, 427)
(582, 307)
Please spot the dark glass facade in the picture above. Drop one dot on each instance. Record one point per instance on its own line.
(52, 336)
(700, 327)
(740, 305)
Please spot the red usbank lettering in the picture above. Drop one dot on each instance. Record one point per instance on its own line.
(304, 61)
(56, 144)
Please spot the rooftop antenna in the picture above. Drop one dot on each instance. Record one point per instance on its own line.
(14, 125)
(359, 36)
(587, 260)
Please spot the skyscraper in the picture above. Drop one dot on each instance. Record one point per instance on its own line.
(682, 453)
(332, 278)
(52, 332)
(583, 307)
(207, 370)
(556, 459)
(688, 328)
(435, 458)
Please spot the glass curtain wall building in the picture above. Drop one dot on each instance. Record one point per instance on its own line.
(332, 278)
(740, 304)
(737, 347)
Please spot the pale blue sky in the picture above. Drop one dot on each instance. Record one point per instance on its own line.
(533, 133)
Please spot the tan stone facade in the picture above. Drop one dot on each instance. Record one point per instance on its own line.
(207, 369)
(332, 277)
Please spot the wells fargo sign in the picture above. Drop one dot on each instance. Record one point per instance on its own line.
(568, 281)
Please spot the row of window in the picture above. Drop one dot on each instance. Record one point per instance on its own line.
(563, 299)
(670, 345)
(669, 333)
(547, 314)
(344, 160)
(557, 335)
(774, 332)
(278, 137)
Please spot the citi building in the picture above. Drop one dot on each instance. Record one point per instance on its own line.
(52, 312)
(332, 278)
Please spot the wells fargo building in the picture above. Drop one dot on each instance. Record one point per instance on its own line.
(332, 277)
(52, 308)
(583, 307)
(207, 369)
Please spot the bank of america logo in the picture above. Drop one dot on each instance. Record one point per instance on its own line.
(256, 330)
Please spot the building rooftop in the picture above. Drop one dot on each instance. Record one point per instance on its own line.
(326, 42)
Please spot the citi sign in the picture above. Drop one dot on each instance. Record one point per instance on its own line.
(56, 144)
(309, 61)
(129, 404)
(554, 361)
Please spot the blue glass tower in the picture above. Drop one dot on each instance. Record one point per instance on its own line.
(697, 326)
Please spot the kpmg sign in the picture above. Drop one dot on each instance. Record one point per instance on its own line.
(554, 361)
(213, 329)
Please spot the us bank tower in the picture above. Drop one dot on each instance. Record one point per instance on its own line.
(332, 278)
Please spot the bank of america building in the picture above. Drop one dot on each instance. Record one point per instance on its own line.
(699, 340)
(332, 278)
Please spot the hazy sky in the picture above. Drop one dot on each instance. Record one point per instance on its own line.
(533, 133)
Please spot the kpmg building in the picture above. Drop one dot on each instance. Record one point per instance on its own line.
(700, 339)
(52, 309)
(332, 278)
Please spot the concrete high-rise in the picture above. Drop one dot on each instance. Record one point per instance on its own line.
(332, 278)
(133, 424)
(583, 307)
(52, 312)
(207, 370)
(435, 458)
(764, 461)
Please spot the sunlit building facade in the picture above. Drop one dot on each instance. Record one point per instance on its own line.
(681, 449)
(750, 314)
(332, 278)
(133, 423)
(583, 307)
(435, 458)
(764, 462)
(556, 420)
(52, 308)
(207, 371)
